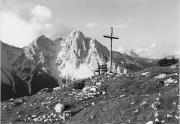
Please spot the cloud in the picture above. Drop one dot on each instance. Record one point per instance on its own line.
(41, 13)
(19, 32)
(147, 52)
(15, 30)
(91, 25)
(153, 45)
(98, 25)
(122, 25)
(177, 52)
(121, 49)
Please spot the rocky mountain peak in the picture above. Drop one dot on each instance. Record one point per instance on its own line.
(76, 34)
(42, 41)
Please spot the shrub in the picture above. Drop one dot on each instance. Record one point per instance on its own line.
(167, 62)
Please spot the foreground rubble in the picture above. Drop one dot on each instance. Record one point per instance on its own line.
(150, 96)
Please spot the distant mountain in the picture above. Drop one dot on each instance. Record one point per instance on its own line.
(44, 62)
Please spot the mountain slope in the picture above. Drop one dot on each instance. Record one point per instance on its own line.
(20, 73)
(149, 95)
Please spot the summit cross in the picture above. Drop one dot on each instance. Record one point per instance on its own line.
(111, 37)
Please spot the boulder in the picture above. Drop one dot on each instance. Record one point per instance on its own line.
(59, 107)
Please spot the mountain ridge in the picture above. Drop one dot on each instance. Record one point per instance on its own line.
(75, 57)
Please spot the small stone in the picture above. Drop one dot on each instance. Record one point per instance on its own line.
(62, 117)
(144, 102)
(35, 119)
(33, 116)
(93, 103)
(160, 94)
(156, 120)
(169, 116)
(149, 122)
(39, 93)
(45, 120)
(93, 89)
(99, 83)
(11, 100)
(163, 121)
(157, 98)
(132, 103)
(122, 95)
(156, 114)
(136, 111)
(176, 116)
(174, 103)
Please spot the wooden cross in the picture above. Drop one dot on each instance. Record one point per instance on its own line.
(111, 37)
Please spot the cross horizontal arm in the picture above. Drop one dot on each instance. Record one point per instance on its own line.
(111, 37)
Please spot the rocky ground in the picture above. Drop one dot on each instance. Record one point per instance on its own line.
(149, 96)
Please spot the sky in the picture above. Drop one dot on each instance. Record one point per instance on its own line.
(149, 27)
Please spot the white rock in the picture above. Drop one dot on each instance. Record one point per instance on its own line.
(99, 83)
(144, 102)
(132, 103)
(33, 116)
(36, 119)
(163, 121)
(93, 103)
(136, 110)
(176, 116)
(169, 81)
(159, 94)
(62, 117)
(59, 107)
(45, 120)
(93, 89)
(156, 114)
(160, 76)
(122, 95)
(145, 73)
(57, 88)
(149, 122)
(169, 116)
(156, 120)
(174, 103)
(157, 98)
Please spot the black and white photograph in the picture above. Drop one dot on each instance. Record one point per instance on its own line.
(89, 61)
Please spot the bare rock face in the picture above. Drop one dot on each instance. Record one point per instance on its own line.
(79, 56)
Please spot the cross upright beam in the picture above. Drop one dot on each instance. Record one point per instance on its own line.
(111, 37)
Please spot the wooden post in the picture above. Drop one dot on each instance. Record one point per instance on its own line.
(111, 37)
